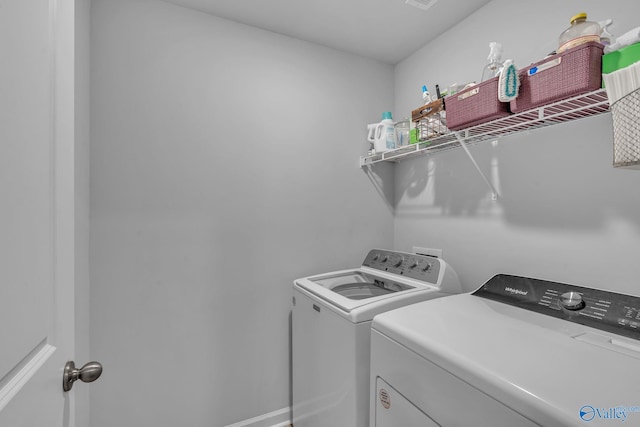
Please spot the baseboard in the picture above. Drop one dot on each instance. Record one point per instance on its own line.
(279, 418)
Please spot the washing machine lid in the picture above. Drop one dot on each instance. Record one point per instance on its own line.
(363, 289)
(550, 370)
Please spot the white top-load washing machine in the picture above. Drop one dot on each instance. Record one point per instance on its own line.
(516, 352)
(331, 330)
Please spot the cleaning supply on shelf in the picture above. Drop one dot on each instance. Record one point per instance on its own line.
(621, 58)
(605, 36)
(581, 31)
(371, 132)
(454, 88)
(402, 133)
(413, 133)
(508, 82)
(383, 134)
(493, 68)
(622, 82)
(627, 39)
(426, 96)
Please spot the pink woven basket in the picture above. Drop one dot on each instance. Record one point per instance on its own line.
(475, 105)
(573, 72)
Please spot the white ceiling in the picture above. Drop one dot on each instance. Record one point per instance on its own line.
(385, 30)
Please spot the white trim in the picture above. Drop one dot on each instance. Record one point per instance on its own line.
(278, 418)
(24, 372)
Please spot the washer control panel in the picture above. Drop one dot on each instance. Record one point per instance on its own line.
(608, 311)
(419, 267)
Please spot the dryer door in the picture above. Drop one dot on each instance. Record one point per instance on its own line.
(393, 409)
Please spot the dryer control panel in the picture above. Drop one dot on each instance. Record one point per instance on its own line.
(604, 310)
(419, 267)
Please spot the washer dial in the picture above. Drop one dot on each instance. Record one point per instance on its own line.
(572, 300)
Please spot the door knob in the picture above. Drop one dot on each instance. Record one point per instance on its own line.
(88, 373)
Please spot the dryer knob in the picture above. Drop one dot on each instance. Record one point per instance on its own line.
(572, 300)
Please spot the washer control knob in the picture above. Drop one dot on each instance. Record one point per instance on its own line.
(413, 264)
(572, 300)
(398, 262)
(427, 267)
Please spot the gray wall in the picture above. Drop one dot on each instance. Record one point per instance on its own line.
(224, 164)
(565, 213)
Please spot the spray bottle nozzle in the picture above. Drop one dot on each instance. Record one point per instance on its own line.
(495, 51)
(605, 36)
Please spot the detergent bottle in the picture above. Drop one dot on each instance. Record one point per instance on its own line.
(383, 134)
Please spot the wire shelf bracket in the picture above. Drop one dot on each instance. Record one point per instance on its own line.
(463, 144)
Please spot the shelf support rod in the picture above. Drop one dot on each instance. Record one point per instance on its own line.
(494, 192)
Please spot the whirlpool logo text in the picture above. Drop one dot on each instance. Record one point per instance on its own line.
(615, 413)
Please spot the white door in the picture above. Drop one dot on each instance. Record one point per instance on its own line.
(36, 214)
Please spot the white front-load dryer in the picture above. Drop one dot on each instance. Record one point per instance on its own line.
(331, 330)
(516, 352)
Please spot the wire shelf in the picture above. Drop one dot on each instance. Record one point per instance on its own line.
(577, 107)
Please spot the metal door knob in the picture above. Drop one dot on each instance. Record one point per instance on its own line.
(88, 373)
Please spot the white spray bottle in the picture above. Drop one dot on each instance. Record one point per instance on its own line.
(493, 68)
